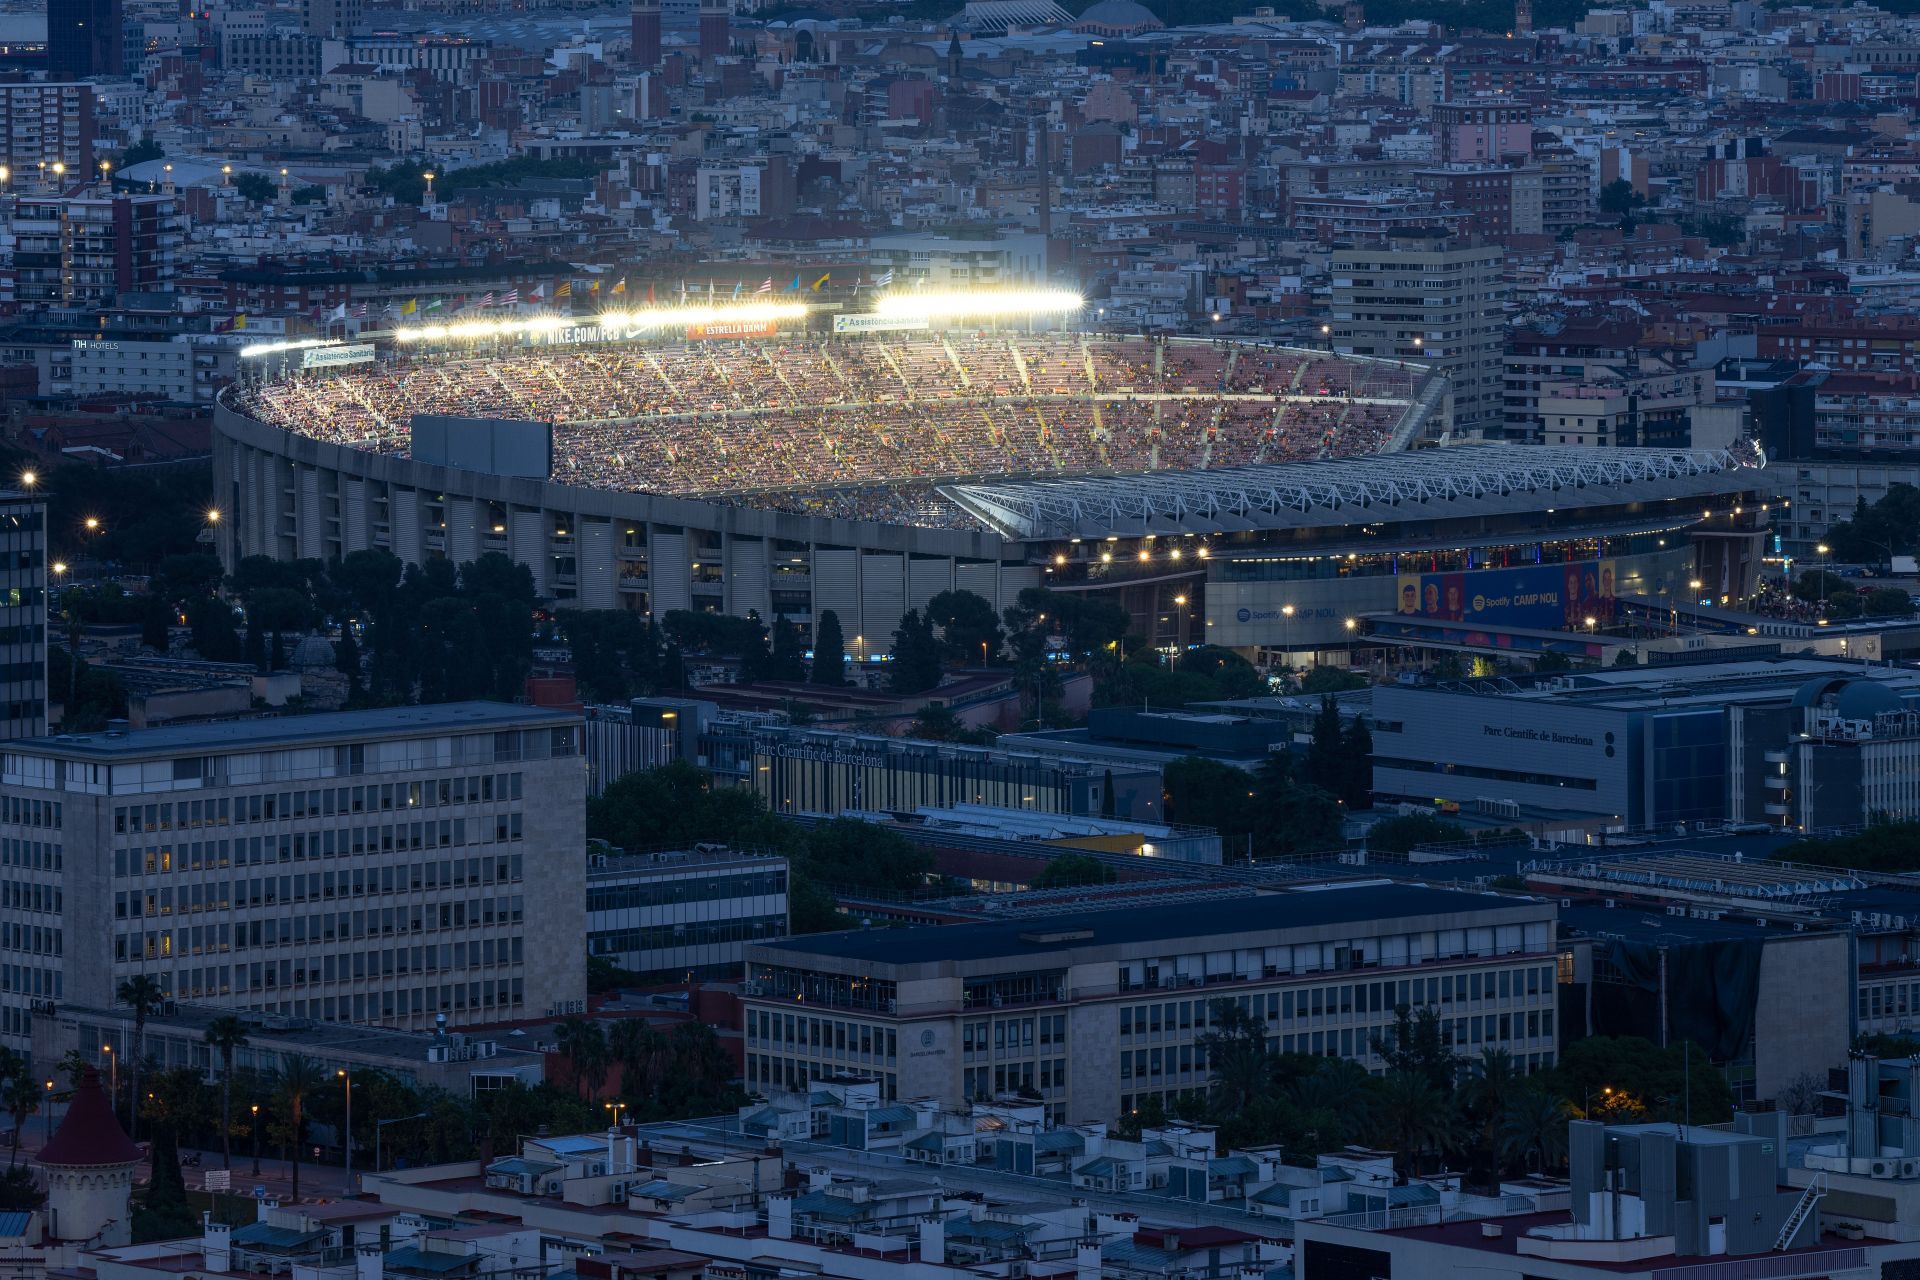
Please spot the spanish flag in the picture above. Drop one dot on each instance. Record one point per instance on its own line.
(594, 287)
(822, 280)
(564, 289)
(410, 306)
(620, 286)
(240, 320)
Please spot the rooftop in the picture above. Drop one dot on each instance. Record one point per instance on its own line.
(1215, 920)
(1468, 480)
(304, 730)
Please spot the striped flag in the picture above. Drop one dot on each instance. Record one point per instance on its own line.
(766, 287)
(564, 289)
(511, 298)
(883, 281)
(486, 299)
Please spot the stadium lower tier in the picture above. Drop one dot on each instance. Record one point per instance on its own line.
(835, 428)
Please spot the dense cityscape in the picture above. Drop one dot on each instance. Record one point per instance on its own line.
(1054, 639)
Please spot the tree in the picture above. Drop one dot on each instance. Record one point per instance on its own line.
(1236, 1052)
(155, 619)
(1550, 662)
(1068, 870)
(211, 631)
(1489, 1093)
(969, 629)
(22, 1098)
(1619, 197)
(300, 1077)
(143, 995)
(584, 1045)
(1358, 752)
(1414, 1117)
(257, 187)
(1628, 1076)
(141, 152)
(1331, 680)
(1626, 658)
(1888, 602)
(829, 652)
(223, 1035)
(916, 656)
(1533, 1130)
(1326, 754)
(1415, 1046)
(787, 662)
(1412, 830)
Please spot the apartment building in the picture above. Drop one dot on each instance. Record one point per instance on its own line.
(368, 866)
(1424, 295)
(1098, 1012)
(23, 618)
(44, 125)
(89, 251)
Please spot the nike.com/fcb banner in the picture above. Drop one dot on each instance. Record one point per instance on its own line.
(1546, 596)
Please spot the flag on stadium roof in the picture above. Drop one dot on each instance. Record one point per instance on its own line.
(436, 304)
(410, 306)
(649, 294)
(486, 299)
(822, 280)
(795, 286)
(766, 286)
(594, 287)
(883, 281)
(620, 285)
(737, 287)
(539, 294)
(564, 289)
(511, 298)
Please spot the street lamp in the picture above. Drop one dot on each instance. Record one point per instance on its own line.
(428, 175)
(113, 1075)
(378, 1125)
(49, 1111)
(1825, 560)
(255, 1108)
(213, 515)
(28, 479)
(347, 1141)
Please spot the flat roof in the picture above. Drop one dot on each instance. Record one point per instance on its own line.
(1631, 924)
(1679, 686)
(1059, 935)
(1431, 484)
(251, 735)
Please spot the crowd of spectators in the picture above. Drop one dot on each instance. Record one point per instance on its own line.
(865, 427)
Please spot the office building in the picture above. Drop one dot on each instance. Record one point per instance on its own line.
(1483, 132)
(91, 251)
(1788, 742)
(83, 38)
(376, 866)
(23, 617)
(45, 124)
(1098, 1011)
(686, 913)
(1424, 295)
(824, 772)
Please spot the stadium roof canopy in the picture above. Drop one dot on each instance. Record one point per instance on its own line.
(1429, 484)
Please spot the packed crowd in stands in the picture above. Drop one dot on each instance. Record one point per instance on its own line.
(865, 427)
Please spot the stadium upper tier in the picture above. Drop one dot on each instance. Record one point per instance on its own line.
(866, 427)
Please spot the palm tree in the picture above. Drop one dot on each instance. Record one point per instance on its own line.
(143, 995)
(299, 1076)
(21, 1097)
(1414, 1117)
(585, 1047)
(1492, 1085)
(1535, 1130)
(639, 1050)
(1236, 1050)
(225, 1034)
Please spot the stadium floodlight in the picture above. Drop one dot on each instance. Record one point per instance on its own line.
(256, 350)
(611, 323)
(979, 303)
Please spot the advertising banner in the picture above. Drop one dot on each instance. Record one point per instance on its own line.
(324, 357)
(731, 329)
(1546, 597)
(863, 323)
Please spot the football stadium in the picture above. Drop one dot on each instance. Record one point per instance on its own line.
(787, 462)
